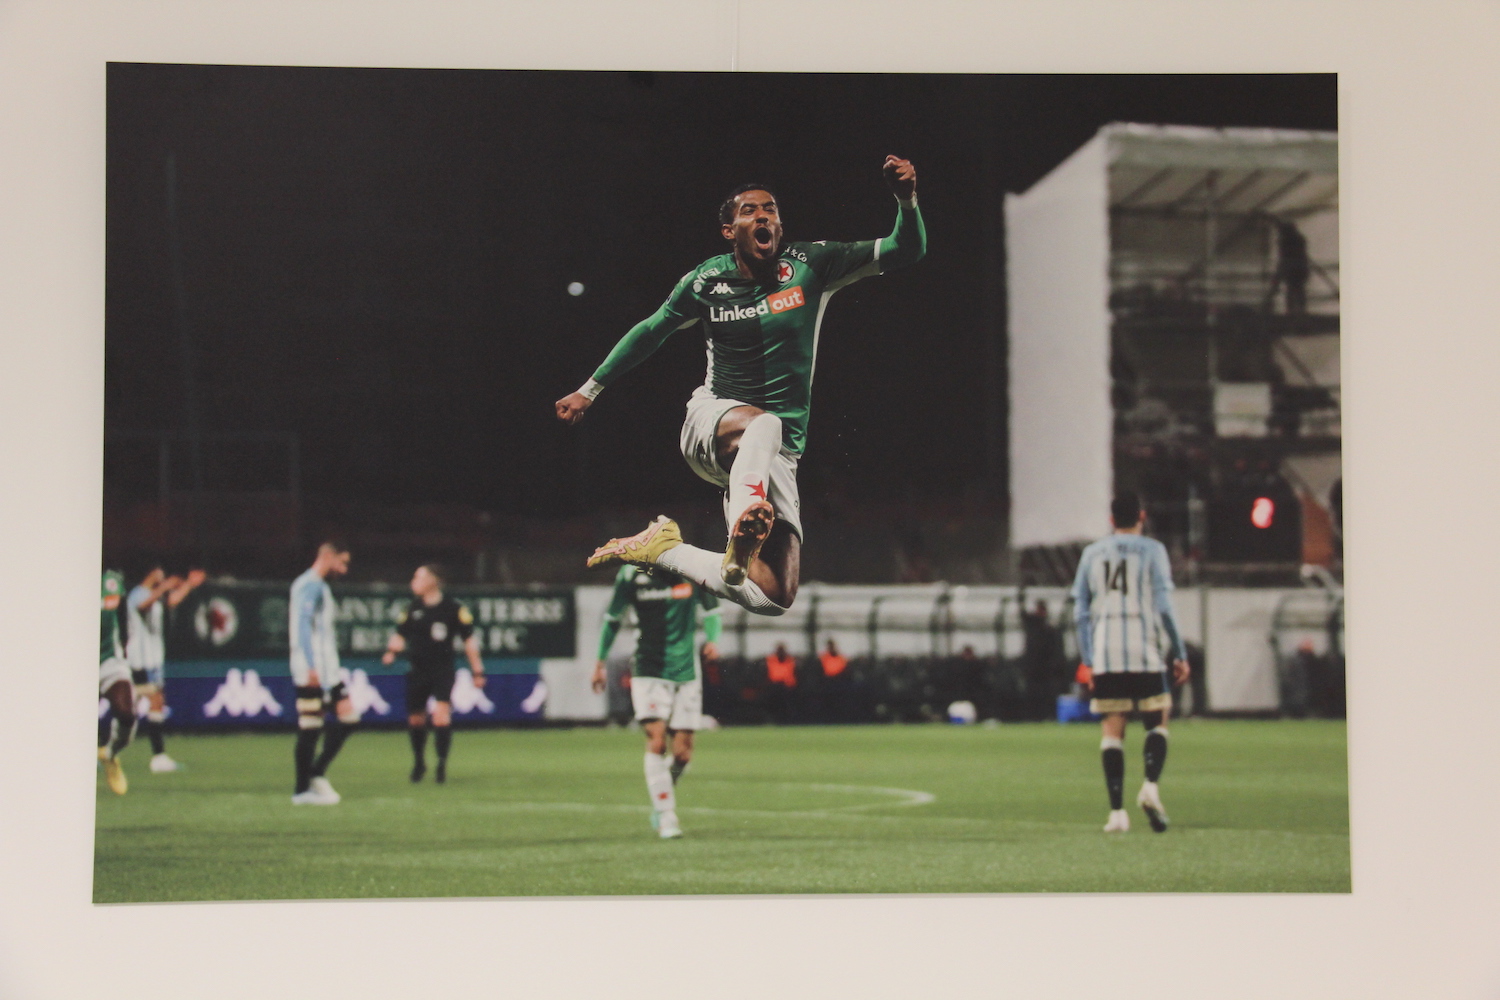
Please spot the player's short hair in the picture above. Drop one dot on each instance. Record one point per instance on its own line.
(437, 571)
(726, 207)
(1126, 510)
(335, 545)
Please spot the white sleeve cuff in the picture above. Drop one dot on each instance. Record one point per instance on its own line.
(908, 202)
(591, 389)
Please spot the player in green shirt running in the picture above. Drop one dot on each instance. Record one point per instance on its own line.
(114, 682)
(761, 306)
(666, 684)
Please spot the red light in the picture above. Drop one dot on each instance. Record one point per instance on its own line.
(1263, 512)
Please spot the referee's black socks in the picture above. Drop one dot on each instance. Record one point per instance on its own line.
(1112, 753)
(1156, 753)
(442, 740)
(418, 737)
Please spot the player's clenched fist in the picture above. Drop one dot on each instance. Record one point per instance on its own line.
(901, 176)
(570, 408)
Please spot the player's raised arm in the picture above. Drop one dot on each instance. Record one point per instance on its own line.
(185, 587)
(908, 241)
(636, 346)
(141, 598)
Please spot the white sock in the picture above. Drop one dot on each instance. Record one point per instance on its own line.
(702, 566)
(659, 783)
(750, 478)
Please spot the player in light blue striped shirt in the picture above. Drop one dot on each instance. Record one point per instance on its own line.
(1122, 603)
(316, 676)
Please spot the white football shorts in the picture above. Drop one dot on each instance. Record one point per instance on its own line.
(680, 703)
(111, 672)
(699, 446)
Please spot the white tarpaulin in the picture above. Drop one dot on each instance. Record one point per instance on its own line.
(1061, 421)
(1127, 211)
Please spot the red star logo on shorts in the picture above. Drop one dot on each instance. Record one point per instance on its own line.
(758, 490)
(661, 795)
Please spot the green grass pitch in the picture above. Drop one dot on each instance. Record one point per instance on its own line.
(1256, 806)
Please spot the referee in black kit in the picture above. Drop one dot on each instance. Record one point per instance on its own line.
(426, 633)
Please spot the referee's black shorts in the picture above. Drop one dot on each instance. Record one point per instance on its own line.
(427, 681)
(1131, 692)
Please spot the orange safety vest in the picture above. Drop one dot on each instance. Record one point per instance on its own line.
(833, 664)
(781, 671)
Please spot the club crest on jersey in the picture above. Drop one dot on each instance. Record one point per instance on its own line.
(784, 271)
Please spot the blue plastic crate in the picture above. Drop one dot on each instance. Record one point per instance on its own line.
(1071, 709)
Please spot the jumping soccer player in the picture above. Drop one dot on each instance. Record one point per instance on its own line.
(425, 632)
(666, 681)
(1123, 605)
(145, 647)
(114, 683)
(315, 676)
(761, 306)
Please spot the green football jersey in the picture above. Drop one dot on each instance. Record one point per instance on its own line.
(666, 613)
(112, 588)
(763, 338)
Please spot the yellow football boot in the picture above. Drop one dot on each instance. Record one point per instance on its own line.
(642, 549)
(114, 776)
(749, 534)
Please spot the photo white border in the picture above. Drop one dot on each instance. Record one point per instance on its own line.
(1419, 141)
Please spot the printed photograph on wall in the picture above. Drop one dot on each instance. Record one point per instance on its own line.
(550, 483)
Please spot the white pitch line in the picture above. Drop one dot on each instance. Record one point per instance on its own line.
(906, 797)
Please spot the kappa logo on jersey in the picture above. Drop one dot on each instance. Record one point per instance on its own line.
(439, 631)
(719, 289)
(216, 621)
(242, 696)
(784, 271)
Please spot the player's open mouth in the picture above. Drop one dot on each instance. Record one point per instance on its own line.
(762, 237)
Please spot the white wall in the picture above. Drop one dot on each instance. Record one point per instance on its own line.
(1057, 252)
(569, 696)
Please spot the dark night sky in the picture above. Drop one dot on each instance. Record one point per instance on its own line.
(378, 260)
